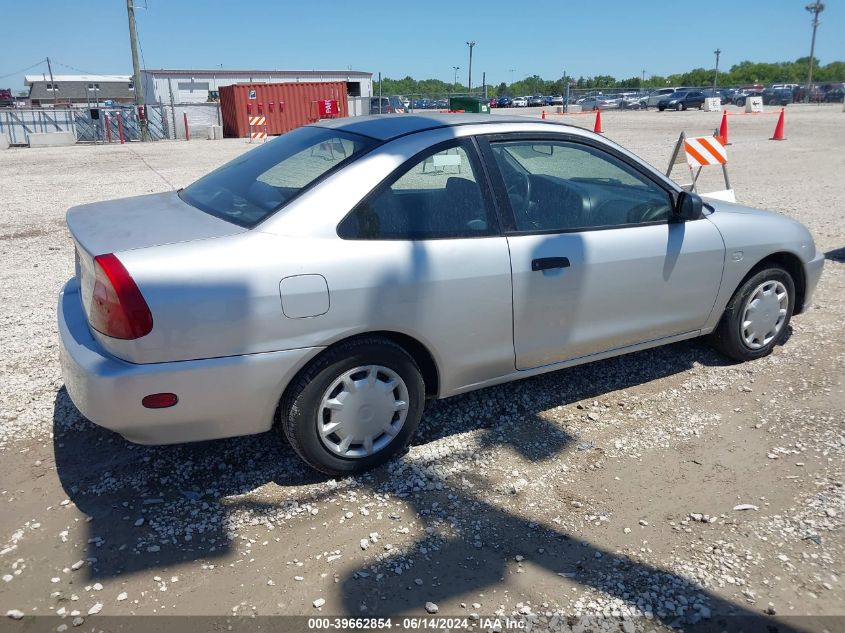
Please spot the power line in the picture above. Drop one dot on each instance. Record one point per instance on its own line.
(23, 70)
(140, 46)
(79, 70)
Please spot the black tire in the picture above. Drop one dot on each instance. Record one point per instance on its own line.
(681, 106)
(300, 403)
(727, 337)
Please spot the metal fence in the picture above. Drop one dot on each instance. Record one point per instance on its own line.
(199, 117)
(92, 125)
(18, 124)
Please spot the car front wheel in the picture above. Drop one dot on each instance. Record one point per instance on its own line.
(354, 407)
(757, 316)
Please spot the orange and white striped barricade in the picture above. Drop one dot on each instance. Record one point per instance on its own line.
(257, 128)
(699, 152)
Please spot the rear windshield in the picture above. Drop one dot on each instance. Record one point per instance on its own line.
(252, 187)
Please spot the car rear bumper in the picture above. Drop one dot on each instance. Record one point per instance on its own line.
(218, 397)
(812, 274)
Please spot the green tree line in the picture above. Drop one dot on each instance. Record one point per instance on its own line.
(745, 72)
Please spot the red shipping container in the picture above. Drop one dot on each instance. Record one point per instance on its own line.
(294, 104)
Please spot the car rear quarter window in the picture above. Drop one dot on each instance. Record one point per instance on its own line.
(252, 187)
(436, 195)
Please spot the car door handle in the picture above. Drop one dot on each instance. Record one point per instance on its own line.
(548, 263)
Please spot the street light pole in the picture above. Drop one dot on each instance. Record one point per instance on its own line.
(455, 83)
(815, 8)
(471, 45)
(717, 52)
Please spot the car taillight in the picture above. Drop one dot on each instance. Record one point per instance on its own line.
(117, 307)
(159, 400)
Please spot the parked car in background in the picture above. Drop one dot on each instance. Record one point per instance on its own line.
(535, 101)
(630, 101)
(777, 96)
(323, 281)
(595, 102)
(556, 100)
(727, 95)
(719, 94)
(386, 105)
(504, 102)
(800, 95)
(519, 102)
(835, 95)
(654, 97)
(493, 103)
(740, 98)
(682, 100)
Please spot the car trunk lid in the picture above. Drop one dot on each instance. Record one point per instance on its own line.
(142, 221)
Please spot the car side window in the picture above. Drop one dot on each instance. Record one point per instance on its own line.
(559, 185)
(437, 197)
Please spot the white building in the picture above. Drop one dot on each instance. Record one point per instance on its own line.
(168, 86)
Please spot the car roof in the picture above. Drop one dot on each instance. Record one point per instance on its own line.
(386, 128)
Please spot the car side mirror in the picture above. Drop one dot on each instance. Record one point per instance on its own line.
(688, 207)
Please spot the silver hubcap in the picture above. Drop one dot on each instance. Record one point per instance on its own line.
(764, 314)
(362, 411)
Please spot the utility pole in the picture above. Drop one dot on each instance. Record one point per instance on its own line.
(136, 71)
(455, 83)
(717, 52)
(471, 45)
(50, 69)
(815, 8)
(642, 83)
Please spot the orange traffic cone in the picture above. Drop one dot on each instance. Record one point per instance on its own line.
(779, 128)
(597, 127)
(544, 115)
(723, 128)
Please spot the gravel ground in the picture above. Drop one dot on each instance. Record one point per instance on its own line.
(664, 488)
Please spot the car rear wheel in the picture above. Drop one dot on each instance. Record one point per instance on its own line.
(757, 316)
(354, 407)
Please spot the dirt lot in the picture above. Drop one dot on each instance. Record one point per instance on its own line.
(609, 490)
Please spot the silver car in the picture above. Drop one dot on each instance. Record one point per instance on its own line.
(337, 277)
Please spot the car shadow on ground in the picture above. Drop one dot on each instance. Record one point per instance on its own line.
(184, 493)
(477, 546)
(472, 545)
(187, 494)
(836, 255)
